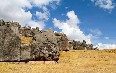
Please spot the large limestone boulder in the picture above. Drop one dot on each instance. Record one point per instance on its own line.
(25, 52)
(62, 41)
(2, 36)
(90, 47)
(44, 44)
(9, 43)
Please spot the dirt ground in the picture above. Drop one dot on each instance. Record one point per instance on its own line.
(79, 61)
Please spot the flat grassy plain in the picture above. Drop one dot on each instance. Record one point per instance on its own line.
(74, 61)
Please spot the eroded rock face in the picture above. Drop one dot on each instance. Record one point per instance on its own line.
(62, 41)
(44, 45)
(77, 45)
(25, 43)
(9, 42)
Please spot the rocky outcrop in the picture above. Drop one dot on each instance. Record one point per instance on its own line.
(44, 45)
(9, 42)
(77, 45)
(62, 41)
(25, 43)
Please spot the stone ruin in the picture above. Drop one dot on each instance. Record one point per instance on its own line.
(77, 45)
(25, 43)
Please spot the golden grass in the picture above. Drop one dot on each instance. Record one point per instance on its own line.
(70, 62)
(110, 51)
(26, 40)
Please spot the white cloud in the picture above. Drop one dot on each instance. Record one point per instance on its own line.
(43, 16)
(34, 24)
(105, 4)
(15, 10)
(44, 2)
(102, 46)
(96, 32)
(106, 38)
(41, 2)
(71, 29)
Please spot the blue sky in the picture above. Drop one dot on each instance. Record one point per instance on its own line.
(91, 17)
(91, 20)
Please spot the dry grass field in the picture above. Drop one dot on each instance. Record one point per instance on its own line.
(79, 61)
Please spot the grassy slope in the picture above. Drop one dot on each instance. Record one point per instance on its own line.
(70, 62)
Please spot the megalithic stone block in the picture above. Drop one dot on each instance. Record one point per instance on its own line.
(11, 49)
(1, 46)
(25, 52)
(1, 54)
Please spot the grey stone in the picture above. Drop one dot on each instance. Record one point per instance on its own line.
(25, 43)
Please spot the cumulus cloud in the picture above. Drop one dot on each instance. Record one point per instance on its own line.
(15, 10)
(41, 3)
(71, 29)
(34, 24)
(43, 16)
(96, 32)
(107, 38)
(102, 46)
(105, 4)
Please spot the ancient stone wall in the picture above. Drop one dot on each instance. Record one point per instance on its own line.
(25, 43)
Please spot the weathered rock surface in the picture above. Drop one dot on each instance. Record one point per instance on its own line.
(25, 43)
(62, 41)
(9, 43)
(77, 45)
